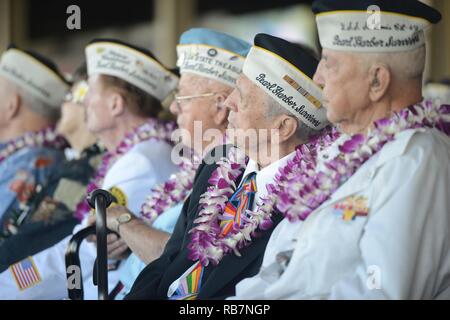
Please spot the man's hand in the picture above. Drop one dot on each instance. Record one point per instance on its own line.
(91, 219)
(112, 214)
(117, 247)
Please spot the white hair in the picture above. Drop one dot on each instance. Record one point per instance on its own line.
(33, 103)
(275, 109)
(209, 83)
(37, 105)
(405, 65)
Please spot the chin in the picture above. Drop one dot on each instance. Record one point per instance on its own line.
(331, 116)
(92, 129)
(63, 131)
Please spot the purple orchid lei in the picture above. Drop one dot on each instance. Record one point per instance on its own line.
(152, 129)
(206, 243)
(304, 192)
(46, 137)
(173, 191)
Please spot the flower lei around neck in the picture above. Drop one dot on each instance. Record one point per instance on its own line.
(304, 192)
(207, 245)
(152, 129)
(46, 137)
(173, 191)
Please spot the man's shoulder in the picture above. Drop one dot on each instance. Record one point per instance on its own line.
(39, 163)
(216, 154)
(417, 147)
(151, 148)
(135, 161)
(209, 163)
(146, 157)
(31, 153)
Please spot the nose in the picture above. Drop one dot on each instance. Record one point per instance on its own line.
(230, 117)
(87, 100)
(318, 76)
(174, 109)
(230, 102)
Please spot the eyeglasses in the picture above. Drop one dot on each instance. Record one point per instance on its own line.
(179, 99)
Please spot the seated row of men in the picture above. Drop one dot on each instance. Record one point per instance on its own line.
(284, 177)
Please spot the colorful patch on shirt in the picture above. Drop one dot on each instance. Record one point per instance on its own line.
(120, 196)
(25, 274)
(23, 185)
(351, 207)
(43, 162)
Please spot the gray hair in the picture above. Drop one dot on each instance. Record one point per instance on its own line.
(274, 109)
(405, 65)
(36, 105)
(199, 81)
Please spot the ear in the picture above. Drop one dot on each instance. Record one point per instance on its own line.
(287, 126)
(13, 106)
(221, 111)
(380, 80)
(116, 104)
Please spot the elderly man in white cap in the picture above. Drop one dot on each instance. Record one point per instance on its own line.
(208, 76)
(370, 220)
(126, 87)
(226, 222)
(32, 90)
(47, 217)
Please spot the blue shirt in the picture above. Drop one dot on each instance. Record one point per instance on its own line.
(133, 265)
(21, 173)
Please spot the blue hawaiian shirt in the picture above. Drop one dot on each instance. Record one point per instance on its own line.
(21, 175)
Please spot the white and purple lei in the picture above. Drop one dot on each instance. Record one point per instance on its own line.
(302, 193)
(173, 191)
(153, 129)
(299, 187)
(46, 137)
(206, 243)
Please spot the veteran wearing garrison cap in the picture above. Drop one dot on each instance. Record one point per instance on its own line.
(371, 219)
(226, 222)
(32, 90)
(209, 63)
(126, 87)
(48, 216)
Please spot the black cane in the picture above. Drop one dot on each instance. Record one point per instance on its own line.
(73, 264)
(100, 200)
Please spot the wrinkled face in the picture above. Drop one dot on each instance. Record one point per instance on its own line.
(190, 111)
(72, 117)
(97, 116)
(247, 118)
(345, 87)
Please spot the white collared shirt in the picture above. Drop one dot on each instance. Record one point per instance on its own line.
(264, 176)
(400, 250)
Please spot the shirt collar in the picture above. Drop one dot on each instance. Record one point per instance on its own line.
(266, 175)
